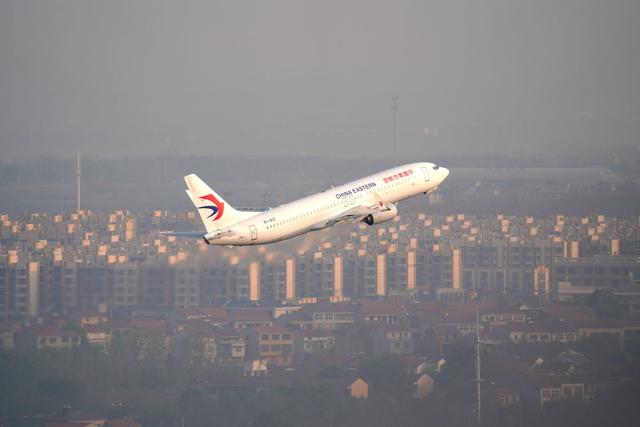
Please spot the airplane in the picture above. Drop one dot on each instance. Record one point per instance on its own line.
(372, 200)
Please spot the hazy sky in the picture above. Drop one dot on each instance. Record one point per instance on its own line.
(264, 77)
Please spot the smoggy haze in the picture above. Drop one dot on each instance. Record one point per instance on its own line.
(268, 78)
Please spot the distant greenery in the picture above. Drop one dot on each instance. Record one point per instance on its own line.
(386, 376)
(605, 304)
(158, 392)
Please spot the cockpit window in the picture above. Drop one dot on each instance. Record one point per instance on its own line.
(436, 167)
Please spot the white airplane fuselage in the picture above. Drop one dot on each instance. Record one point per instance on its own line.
(378, 193)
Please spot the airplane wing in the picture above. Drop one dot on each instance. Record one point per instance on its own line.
(350, 216)
(355, 214)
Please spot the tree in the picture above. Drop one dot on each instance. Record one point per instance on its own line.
(605, 304)
(602, 348)
(386, 375)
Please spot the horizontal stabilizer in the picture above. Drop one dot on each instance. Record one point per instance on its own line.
(194, 234)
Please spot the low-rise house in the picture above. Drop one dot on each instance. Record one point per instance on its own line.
(415, 365)
(359, 389)
(210, 315)
(556, 390)
(446, 336)
(91, 318)
(424, 386)
(298, 320)
(382, 311)
(201, 340)
(541, 332)
(564, 333)
(152, 338)
(255, 368)
(98, 335)
(7, 335)
(393, 339)
(282, 309)
(38, 339)
(250, 318)
(318, 340)
(498, 317)
(326, 315)
(507, 396)
(613, 328)
(273, 344)
(231, 347)
(464, 321)
(546, 386)
(568, 312)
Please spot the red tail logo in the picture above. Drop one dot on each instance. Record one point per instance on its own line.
(217, 208)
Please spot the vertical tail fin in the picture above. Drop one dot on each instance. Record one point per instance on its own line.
(214, 211)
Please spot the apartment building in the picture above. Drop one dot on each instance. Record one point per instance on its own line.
(61, 263)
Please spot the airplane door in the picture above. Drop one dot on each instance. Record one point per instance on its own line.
(254, 232)
(425, 172)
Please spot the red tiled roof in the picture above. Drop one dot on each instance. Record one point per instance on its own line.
(272, 329)
(569, 312)
(501, 310)
(328, 307)
(149, 323)
(217, 312)
(100, 327)
(189, 311)
(310, 333)
(398, 327)
(227, 333)
(541, 327)
(446, 330)
(412, 362)
(384, 308)
(249, 316)
(119, 325)
(90, 314)
(48, 332)
(448, 318)
(197, 331)
(469, 306)
(299, 316)
(601, 324)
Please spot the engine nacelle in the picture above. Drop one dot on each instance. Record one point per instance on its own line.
(381, 216)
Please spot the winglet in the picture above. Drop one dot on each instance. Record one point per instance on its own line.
(382, 205)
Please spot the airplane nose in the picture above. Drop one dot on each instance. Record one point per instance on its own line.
(445, 173)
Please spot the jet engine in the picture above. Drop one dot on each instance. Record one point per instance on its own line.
(381, 216)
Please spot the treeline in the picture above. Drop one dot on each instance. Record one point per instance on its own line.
(169, 391)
